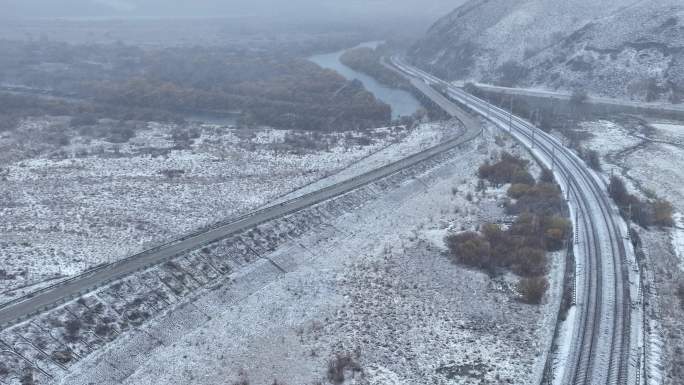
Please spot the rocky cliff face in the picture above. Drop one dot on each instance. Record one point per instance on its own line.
(619, 48)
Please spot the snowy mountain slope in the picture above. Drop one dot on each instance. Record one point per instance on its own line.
(613, 47)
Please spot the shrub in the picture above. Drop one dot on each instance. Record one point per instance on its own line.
(533, 289)
(680, 294)
(62, 356)
(542, 199)
(469, 248)
(509, 169)
(618, 191)
(529, 261)
(516, 191)
(557, 231)
(547, 176)
(663, 213)
(339, 365)
(27, 378)
(172, 173)
(592, 158)
(243, 379)
(579, 96)
(73, 328)
(511, 73)
(657, 212)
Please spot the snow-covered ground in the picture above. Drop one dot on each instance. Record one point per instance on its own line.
(678, 238)
(429, 135)
(608, 137)
(375, 283)
(93, 201)
(670, 129)
(650, 155)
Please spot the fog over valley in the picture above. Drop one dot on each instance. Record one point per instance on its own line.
(331, 192)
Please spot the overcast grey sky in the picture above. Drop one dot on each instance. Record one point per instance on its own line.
(325, 9)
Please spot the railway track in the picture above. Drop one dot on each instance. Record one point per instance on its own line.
(600, 352)
(55, 295)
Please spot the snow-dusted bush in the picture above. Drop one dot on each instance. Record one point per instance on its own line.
(533, 289)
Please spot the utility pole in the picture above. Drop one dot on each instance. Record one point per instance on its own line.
(510, 118)
(576, 227)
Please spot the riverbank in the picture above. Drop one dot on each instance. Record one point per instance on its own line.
(403, 103)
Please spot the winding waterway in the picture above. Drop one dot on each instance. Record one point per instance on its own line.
(402, 102)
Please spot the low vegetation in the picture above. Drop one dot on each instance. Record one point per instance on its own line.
(266, 88)
(341, 365)
(579, 96)
(590, 157)
(533, 289)
(521, 248)
(368, 60)
(511, 73)
(509, 169)
(651, 212)
(680, 294)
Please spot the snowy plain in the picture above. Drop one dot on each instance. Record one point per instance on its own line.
(93, 201)
(649, 155)
(375, 283)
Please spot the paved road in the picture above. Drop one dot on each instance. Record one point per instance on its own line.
(558, 95)
(602, 334)
(50, 297)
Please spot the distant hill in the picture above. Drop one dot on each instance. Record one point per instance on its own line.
(335, 10)
(619, 48)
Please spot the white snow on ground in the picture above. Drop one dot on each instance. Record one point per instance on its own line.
(564, 341)
(609, 137)
(435, 237)
(678, 238)
(94, 201)
(659, 167)
(427, 135)
(655, 167)
(370, 283)
(670, 129)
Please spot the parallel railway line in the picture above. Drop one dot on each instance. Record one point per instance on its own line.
(602, 336)
(55, 295)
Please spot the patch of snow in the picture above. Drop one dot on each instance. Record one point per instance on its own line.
(678, 238)
(95, 201)
(435, 237)
(670, 129)
(365, 283)
(565, 339)
(660, 169)
(608, 137)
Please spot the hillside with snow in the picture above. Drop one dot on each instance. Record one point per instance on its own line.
(617, 48)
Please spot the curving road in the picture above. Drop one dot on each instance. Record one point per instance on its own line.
(50, 297)
(602, 333)
(591, 99)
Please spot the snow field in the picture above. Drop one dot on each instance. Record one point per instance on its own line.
(367, 280)
(99, 202)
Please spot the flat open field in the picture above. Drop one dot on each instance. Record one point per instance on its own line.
(69, 207)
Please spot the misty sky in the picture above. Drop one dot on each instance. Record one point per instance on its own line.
(225, 8)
